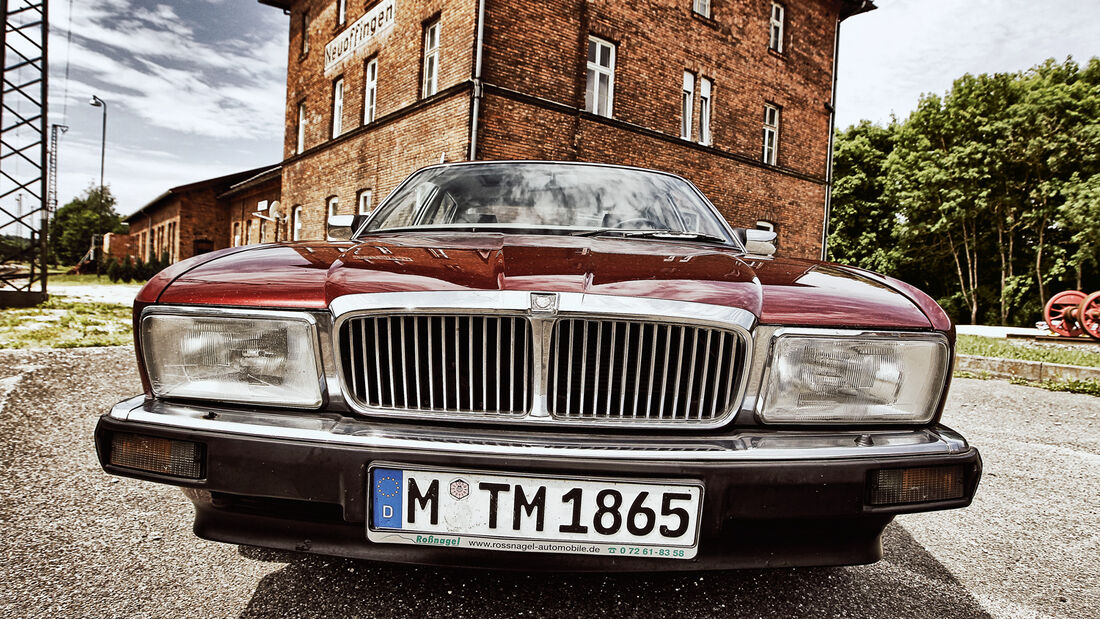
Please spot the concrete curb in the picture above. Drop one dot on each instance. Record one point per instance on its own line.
(1018, 368)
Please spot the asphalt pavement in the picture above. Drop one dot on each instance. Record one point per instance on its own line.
(79, 542)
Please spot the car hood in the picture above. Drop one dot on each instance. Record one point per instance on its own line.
(777, 291)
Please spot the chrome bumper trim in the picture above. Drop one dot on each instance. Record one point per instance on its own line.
(750, 445)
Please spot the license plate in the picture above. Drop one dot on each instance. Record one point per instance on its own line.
(533, 513)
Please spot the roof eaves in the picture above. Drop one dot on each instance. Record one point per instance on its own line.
(264, 176)
(854, 7)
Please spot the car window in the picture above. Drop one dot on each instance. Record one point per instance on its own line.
(547, 195)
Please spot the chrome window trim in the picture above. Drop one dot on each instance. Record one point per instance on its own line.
(927, 336)
(749, 444)
(738, 321)
(229, 312)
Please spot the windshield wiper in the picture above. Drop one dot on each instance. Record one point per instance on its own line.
(654, 234)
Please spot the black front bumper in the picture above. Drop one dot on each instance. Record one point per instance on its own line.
(292, 491)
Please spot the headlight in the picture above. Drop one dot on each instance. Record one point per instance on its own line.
(854, 377)
(258, 357)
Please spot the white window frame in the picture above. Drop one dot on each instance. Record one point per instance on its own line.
(236, 234)
(332, 205)
(702, 7)
(296, 223)
(706, 109)
(370, 90)
(300, 140)
(430, 66)
(248, 232)
(263, 230)
(776, 21)
(595, 70)
(687, 105)
(366, 201)
(337, 107)
(341, 11)
(305, 33)
(772, 119)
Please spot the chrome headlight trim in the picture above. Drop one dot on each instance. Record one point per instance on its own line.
(854, 335)
(213, 312)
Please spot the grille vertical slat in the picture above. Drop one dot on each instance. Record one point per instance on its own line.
(438, 363)
(686, 383)
(706, 374)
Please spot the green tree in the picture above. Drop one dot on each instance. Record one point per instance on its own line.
(861, 223)
(72, 228)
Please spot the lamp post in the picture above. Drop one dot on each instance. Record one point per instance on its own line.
(97, 102)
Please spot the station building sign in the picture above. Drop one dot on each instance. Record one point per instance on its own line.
(376, 21)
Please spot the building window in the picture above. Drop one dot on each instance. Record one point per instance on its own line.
(248, 232)
(236, 234)
(341, 11)
(296, 223)
(706, 87)
(775, 36)
(337, 107)
(765, 225)
(263, 231)
(702, 7)
(431, 60)
(333, 205)
(300, 139)
(771, 133)
(370, 90)
(305, 33)
(366, 201)
(601, 77)
(687, 97)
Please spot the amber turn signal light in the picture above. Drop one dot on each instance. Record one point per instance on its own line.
(916, 485)
(157, 455)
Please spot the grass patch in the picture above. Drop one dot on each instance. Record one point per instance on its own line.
(59, 323)
(1089, 386)
(89, 279)
(1028, 351)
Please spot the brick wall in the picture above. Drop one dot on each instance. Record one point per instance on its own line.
(539, 49)
(534, 71)
(204, 219)
(378, 159)
(239, 207)
(408, 132)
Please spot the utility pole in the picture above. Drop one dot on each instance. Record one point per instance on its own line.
(24, 37)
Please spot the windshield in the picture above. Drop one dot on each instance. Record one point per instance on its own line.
(548, 196)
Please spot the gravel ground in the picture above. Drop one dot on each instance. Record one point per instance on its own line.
(82, 543)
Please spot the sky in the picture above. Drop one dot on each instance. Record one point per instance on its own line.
(196, 88)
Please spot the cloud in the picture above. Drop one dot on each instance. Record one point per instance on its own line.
(890, 56)
(135, 175)
(152, 62)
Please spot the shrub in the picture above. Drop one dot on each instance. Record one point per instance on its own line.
(112, 270)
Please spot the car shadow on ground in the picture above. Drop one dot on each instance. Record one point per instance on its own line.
(907, 582)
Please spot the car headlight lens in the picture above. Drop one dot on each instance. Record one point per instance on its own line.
(265, 358)
(854, 378)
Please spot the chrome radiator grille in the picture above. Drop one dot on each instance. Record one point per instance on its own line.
(634, 371)
(460, 364)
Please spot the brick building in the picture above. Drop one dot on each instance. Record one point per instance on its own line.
(734, 95)
(202, 216)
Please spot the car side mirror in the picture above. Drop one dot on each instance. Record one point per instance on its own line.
(760, 242)
(341, 227)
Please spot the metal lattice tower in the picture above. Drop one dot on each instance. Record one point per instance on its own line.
(23, 152)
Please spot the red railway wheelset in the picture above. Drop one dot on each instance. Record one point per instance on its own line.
(1073, 313)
